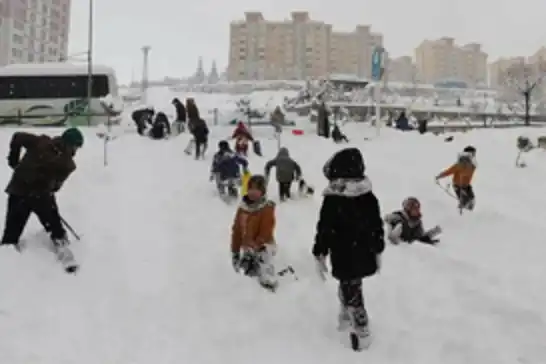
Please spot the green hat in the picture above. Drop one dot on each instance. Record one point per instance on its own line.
(73, 137)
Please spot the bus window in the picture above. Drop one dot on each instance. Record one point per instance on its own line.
(52, 87)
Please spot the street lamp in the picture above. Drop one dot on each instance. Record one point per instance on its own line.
(89, 62)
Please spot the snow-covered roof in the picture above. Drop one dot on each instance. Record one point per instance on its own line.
(56, 69)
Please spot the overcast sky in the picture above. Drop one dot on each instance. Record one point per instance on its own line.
(179, 32)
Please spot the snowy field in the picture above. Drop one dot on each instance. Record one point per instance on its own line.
(157, 286)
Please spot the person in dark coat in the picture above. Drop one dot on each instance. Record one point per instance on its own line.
(37, 176)
(180, 115)
(161, 128)
(287, 171)
(323, 120)
(350, 230)
(143, 117)
(192, 111)
(226, 169)
(200, 133)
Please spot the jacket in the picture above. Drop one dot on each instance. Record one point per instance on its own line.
(199, 130)
(46, 165)
(253, 226)
(286, 168)
(350, 229)
(462, 174)
(226, 165)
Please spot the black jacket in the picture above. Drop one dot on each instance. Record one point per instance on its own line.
(199, 130)
(350, 229)
(180, 110)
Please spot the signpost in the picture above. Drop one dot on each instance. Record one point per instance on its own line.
(378, 69)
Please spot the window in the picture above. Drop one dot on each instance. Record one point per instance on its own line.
(52, 87)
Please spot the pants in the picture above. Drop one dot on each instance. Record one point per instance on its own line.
(200, 148)
(284, 190)
(179, 126)
(19, 210)
(352, 305)
(260, 264)
(230, 185)
(189, 147)
(465, 195)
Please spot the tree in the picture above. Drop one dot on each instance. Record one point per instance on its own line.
(523, 80)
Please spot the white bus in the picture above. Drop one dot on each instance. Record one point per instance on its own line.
(55, 94)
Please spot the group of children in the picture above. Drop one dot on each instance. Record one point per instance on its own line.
(349, 229)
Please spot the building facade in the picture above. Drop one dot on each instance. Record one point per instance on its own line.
(442, 60)
(34, 31)
(402, 69)
(297, 49)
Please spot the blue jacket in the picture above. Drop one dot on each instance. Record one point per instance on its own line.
(226, 165)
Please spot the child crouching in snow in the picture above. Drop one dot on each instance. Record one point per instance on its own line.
(406, 224)
(252, 238)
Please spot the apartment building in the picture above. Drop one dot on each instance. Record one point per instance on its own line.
(442, 60)
(402, 69)
(297, 49)
(33, 31)
(510, 73)
(499, 68)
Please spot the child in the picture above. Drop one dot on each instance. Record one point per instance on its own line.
(225, 169)
(462, 172)
(350, 230)
(406, 224)
(252, 238)
(242, 137)
(287, 171)
(161, 128)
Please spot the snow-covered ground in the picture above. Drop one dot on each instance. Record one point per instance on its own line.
(157, 286)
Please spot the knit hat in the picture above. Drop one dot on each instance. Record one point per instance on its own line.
(73, 137)
(346, 164)
(258, 181)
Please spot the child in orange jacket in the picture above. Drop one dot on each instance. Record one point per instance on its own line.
(462, 173)
(252, 237)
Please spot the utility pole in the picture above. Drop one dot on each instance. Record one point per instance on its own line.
(90, 62)
(144, 81)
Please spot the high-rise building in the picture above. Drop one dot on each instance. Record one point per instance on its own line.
(298, 48)
(442, 60)
(402, 69)
(34, 31)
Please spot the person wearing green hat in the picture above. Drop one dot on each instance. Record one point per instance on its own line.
(37, 176)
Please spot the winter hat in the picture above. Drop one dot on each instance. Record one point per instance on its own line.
(348, 163)
(73, 137)
(259, 182)
(223, 145)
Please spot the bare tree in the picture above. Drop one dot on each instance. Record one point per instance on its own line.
(523, 80)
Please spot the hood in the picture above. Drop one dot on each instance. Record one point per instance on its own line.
(348, 187)
(283, 153)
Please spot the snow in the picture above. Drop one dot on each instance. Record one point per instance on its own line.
(157, 286)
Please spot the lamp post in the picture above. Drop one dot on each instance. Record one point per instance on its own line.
(89, 62)
(144, 82)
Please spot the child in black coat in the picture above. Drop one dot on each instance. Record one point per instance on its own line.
(350, 230)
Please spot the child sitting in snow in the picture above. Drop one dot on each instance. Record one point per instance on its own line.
(252, 238)
(406, 224)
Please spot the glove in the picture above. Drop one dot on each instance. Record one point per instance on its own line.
(322, 268)
(235, 261)
(13, 159)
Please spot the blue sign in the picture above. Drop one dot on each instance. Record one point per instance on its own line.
(377, 63)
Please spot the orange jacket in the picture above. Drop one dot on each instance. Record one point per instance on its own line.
(253, 226)
(462, 174)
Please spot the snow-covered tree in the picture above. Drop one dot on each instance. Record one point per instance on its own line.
(522, 81)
